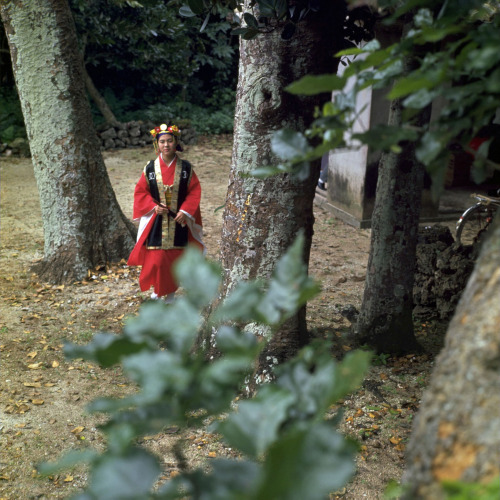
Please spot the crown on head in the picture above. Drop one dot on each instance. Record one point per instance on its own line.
(163, 129)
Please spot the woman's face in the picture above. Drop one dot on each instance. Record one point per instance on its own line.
(166, 145)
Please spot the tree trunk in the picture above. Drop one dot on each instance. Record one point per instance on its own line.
(262, 217)
(456, 435)
(385, 322)
(83, 223)
(98, 99)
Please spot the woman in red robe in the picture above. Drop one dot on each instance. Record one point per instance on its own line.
(167, 205)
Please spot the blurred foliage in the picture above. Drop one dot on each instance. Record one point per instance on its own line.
(460, 68)
(265, 16)
(148, 55)
(456, 490)
(287, 448)
(152, 45)
(11, 116)
(452, 490)
(143, 54)
(210, 119)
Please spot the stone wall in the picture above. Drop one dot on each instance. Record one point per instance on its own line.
(442, 270)
(135, 134)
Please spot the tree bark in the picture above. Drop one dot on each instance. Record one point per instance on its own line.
(385, 322)
(456, 435)
(262, 217)
(83, 223)
(98, 99)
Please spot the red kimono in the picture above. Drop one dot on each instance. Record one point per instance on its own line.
(157, 260)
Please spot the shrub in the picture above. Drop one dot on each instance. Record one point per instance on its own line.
(289, 450)
(208, 120)
(11, 116)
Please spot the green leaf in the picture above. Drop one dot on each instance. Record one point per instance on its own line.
(250, 34)
(316, 84)
(483, 58)
(493, 82)
(254, 427)
(311, 379)
(406, 86)
(191, 270)
(384, 137)
(318, 459)
(458, 490)
(267, 8)
(129, 476)
(370, 47)
(157, 373)
(230, 480)
(240, 304)
(106, 349)
(290, 287)
(317, 382)
(186, 11)
(221, 379)
(351, 372)
(239, 31)
(265, 172)
(288, 144)
(205, 22)
(430, 146)
(232, 341)
(250, 20)
(420, 99)
(231, 477)
(197, 6)
(67, 461)
(175, 324)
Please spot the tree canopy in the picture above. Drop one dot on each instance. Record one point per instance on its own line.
(145, 54)
(459, 69)
(151, 44)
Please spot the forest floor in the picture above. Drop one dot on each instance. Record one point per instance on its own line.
(43, 396)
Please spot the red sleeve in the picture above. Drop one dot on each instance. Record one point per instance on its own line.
(193, 197)
(143, 201)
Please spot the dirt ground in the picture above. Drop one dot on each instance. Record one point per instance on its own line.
(43, 396)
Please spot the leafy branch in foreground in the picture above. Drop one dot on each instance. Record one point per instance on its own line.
(289, 450)
(460, 68)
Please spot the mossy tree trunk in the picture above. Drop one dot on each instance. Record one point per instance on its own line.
(262, 217)
(83, 223)
(456, 434)
(385, 322)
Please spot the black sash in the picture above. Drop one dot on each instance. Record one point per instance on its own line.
(154, 238)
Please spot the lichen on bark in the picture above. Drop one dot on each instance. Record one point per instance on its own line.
(263, 217)
(83, 223)
(456, 434)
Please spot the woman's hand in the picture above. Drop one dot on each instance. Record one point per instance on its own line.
(181, 218)
(161, 209)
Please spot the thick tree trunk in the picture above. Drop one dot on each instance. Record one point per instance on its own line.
(83, 223)
(98, 99)
(456, 435)
(385, 322)
(262, 217)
